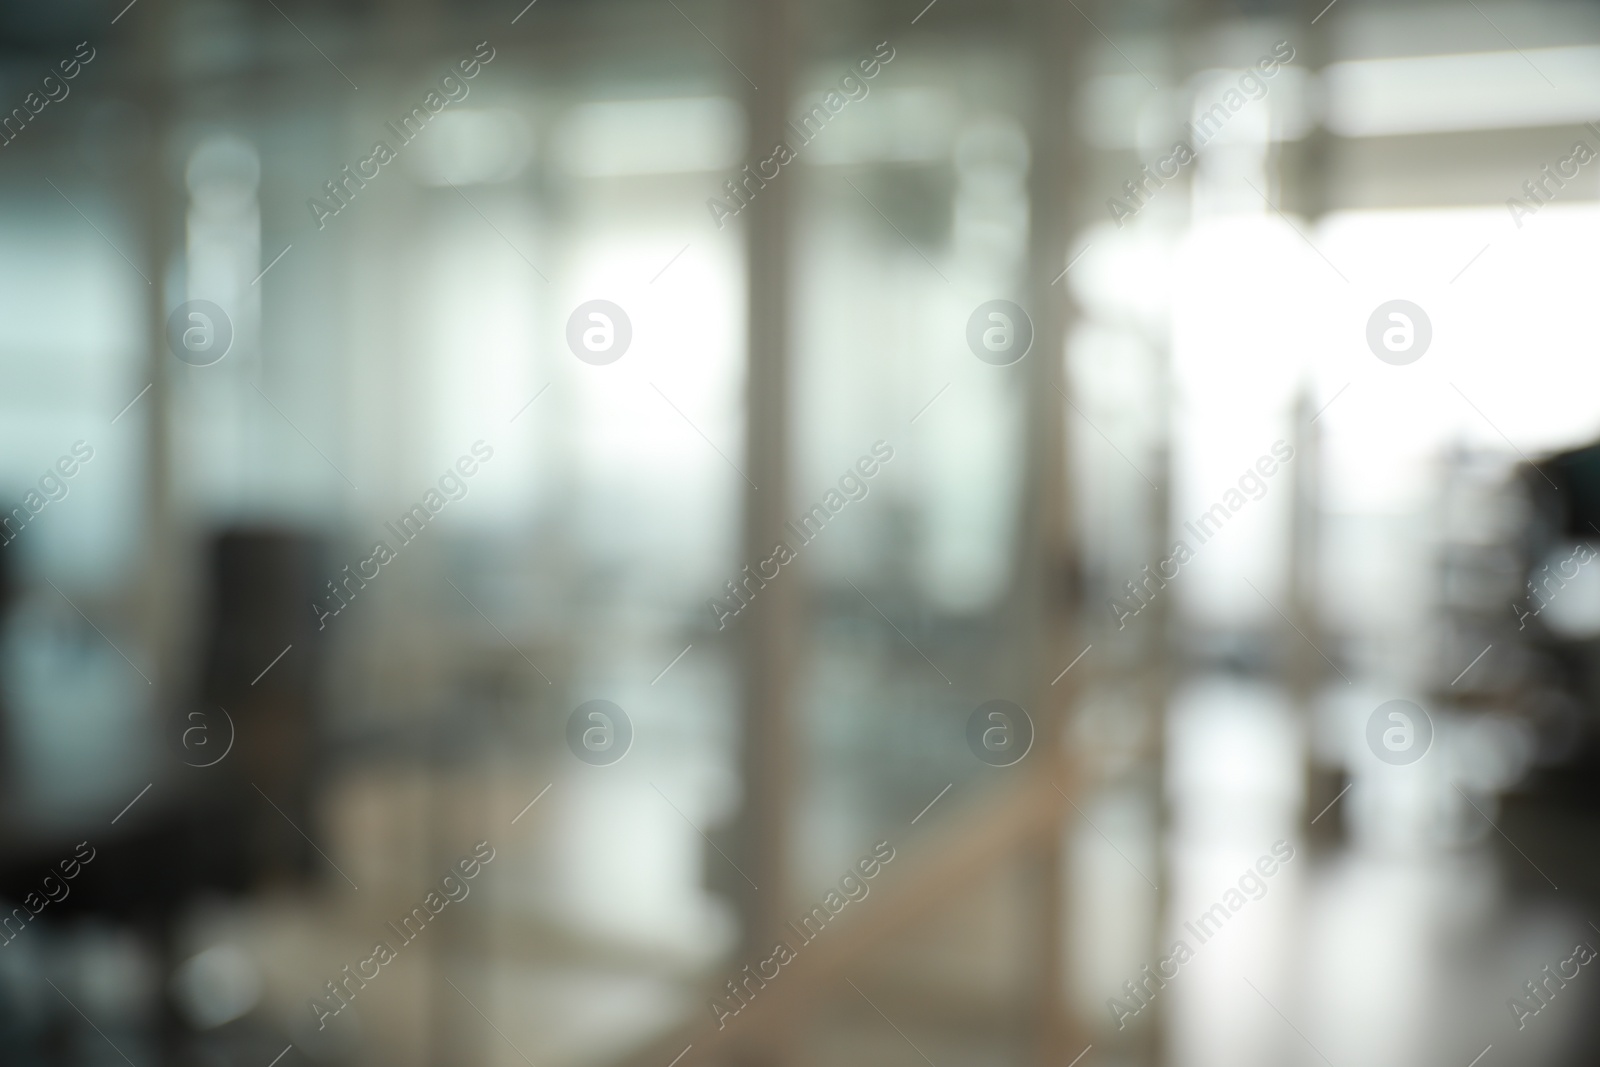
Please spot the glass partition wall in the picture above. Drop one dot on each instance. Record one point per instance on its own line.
(622, 533)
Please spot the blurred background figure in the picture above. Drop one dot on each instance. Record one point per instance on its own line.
(662, 533)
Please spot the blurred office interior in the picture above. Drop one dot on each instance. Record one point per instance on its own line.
(1304, 287)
